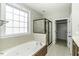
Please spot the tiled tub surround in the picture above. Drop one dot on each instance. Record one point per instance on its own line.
(9, 42)
(40, 37)
(27, 48)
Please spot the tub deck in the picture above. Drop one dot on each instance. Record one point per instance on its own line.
(33, 48)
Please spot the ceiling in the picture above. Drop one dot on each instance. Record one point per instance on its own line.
(45, 8)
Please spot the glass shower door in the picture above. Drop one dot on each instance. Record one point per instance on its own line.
(50, 32)
(39, 26)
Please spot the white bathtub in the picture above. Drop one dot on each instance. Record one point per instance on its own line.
(26, 49)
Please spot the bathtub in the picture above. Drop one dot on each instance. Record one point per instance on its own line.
(25, 49)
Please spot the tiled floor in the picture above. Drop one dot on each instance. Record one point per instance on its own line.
(59, 49)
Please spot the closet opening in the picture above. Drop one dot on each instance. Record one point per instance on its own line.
(61, 32)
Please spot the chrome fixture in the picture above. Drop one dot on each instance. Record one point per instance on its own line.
(3, 22)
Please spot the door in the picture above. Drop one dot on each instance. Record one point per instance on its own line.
(69, 37)
(49, 32)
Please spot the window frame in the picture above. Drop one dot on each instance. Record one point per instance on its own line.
(28, 21)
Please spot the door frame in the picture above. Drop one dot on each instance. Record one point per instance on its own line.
(67, 29)
(69, 25)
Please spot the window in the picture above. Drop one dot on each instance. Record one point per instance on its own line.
(17, 21)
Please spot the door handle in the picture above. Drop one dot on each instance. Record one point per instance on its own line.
(69, 36)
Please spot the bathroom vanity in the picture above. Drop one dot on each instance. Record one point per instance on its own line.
(75, 47)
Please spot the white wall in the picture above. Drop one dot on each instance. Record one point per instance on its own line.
(52, 18)
(33, 15)
(75, 19)
(0, 14)
(13, 41)
(58, 15)
(0, 10)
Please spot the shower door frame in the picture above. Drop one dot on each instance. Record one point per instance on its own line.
(44, 28)
(49, 33)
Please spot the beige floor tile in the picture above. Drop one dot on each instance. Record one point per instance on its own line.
(59, 49)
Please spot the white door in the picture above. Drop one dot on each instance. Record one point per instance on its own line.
(69, 36)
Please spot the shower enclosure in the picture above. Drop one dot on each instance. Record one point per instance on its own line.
(43, 26)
